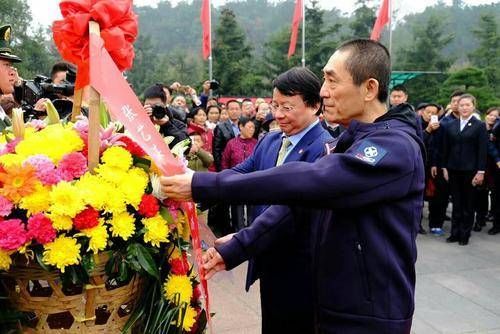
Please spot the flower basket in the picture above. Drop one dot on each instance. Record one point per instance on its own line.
(102, 306)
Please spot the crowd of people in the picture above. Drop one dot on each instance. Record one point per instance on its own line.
(462, 165)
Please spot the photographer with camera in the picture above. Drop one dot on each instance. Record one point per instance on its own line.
(155, 106)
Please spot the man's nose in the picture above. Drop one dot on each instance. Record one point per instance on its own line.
(323, 91)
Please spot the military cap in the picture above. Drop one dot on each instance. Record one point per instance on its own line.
(5, 51)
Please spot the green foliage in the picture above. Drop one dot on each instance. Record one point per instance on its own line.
(233, 55)
(28, 41)
(362, 20)
(487, 54)
(474, 81)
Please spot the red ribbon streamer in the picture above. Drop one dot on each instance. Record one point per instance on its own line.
(118, 24)
(126, 108)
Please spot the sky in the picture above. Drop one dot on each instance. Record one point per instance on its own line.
(44, 12)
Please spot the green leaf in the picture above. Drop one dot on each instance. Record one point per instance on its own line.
(104, 118)
(165, 214)
(147, 262)
(39, 259)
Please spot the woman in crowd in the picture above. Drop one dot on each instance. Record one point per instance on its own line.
(492, 177)
(198, 125)
(213, 115)
(236, 151)
(464, 164)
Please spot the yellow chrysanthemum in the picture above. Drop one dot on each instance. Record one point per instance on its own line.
(62, 252)
(5, 260)
(54, 141)
(189, 318)
(112, 174)
(61, 222)
(10, 159)
(178, 289)
(36, 202)
(98, 236)
(134, 187)
(115, 204)
(117, 156)
(122, 225)
(156, 230)
(94, 190)
(66, 200)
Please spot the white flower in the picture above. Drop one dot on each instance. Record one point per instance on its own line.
(155, 183)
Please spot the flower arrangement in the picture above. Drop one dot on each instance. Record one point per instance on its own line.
(57, 213)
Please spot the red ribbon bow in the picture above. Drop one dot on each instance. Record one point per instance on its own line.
(118, 24)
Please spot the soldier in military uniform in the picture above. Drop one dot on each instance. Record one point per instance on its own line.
(8, 73)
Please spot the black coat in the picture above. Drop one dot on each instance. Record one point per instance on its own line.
(223, 132)
(465, 150)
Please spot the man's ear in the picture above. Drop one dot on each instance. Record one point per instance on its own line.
(371, 87)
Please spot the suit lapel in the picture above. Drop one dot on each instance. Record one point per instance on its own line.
(304, 143)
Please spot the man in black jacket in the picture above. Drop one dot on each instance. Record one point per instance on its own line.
(155, 96)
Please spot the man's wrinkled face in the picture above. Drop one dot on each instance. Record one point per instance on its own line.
(248, 109)
(397, 97)
(343, 100)
(7, 77)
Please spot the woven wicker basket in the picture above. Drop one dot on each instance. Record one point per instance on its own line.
(99, 307)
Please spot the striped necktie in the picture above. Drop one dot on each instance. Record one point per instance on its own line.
(282, 152)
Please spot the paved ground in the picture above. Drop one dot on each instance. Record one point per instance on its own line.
(458, 290)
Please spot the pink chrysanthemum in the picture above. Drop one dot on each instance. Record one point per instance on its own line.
(72, 166)
(45, 169)
(5, 206)
(12, 234)
(40, 228)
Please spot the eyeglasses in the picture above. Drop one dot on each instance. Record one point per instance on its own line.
(286, 108)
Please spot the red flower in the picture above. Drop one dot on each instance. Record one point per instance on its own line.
(149, 206)
(132, 147)
(40, 228)
(88, 218)
(179, 267)
(12, 234)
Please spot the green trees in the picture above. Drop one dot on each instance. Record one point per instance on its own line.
(28, 41)
(234, 63)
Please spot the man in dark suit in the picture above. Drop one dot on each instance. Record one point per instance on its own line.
(218, 215)
(296, 102)
(465, 142)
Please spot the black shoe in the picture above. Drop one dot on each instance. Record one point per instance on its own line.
(463, 242)
(482, 223)
(494, 230)
(451, 239)
(446, 217)
(421, 230)
(477, 227)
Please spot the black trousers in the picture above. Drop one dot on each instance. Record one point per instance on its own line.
(481, 204)
(218, 219)
(462, 195)
(439, 202)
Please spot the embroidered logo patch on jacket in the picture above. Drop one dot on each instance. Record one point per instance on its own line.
(370, 153)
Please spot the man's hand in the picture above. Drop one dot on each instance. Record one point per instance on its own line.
(445, 175)
(224, 239)
(177, 187)
(212, 263)
(478, 179)
(434, 172)
(432, 127)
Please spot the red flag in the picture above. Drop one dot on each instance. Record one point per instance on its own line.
(205, 25)
(297, 16)
(382, 20)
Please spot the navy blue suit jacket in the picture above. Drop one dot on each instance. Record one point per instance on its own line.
(309, 148)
